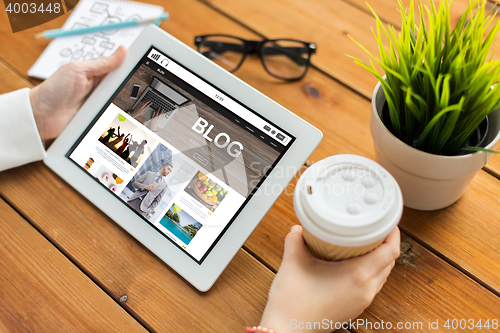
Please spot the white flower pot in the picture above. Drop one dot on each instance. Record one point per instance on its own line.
(428, 181)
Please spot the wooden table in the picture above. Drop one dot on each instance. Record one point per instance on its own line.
(66, 267)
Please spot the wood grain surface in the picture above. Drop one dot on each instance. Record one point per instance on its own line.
(42, 291)
(10, 80)
(445, 270)
(420, 277)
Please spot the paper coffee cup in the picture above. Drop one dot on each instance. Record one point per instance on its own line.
(347, 206)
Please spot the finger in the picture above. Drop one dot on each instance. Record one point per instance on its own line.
(383, 255)
(295, 247)
(381, 277)
(102, 66)
(394, 238)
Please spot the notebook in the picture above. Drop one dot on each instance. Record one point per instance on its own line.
(64, 50)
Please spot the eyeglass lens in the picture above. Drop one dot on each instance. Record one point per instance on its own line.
(285, 59)
(227, 52)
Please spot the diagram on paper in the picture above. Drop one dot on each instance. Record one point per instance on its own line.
(99, 44)
(87, 13)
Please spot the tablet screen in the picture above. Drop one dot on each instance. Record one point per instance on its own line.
(179, 152)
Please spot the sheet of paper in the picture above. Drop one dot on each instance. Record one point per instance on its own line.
(96, 45)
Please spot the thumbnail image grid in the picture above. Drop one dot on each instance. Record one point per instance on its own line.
(206, 191)
(127, 140)
(181, 224)
(155, 184)
(109, 179)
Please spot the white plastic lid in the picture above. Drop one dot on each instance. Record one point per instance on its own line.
(348, 200)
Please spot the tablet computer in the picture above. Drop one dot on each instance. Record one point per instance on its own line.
(183, 155)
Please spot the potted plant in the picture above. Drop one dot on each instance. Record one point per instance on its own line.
(435, 117)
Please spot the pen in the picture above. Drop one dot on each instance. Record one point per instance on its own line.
(62, 32)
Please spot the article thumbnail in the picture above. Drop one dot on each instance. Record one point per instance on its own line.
(109, 179)
(158, 180)
(181, 224)
(206, 191)
(91, 165)
(127, 140)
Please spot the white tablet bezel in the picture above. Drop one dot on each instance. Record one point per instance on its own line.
(202, 276)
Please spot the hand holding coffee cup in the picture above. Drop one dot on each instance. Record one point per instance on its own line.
(347, 205)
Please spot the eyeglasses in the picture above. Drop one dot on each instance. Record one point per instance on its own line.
(286, 59)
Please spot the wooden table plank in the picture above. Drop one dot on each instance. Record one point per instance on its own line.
(468, 233)
(4, 20)
(42, 291)
(419, 278)
(10, 80)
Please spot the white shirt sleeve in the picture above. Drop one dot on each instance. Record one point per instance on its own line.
(20, 142)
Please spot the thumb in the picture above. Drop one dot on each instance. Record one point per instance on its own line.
(295, 247)
(103, 66)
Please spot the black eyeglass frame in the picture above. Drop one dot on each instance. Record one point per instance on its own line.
(255, 47)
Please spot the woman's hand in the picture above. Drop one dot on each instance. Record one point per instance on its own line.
(307, 289)
(57, 99)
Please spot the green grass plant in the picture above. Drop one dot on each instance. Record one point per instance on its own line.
(440, 82)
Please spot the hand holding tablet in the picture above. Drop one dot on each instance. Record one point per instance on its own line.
(246, 146)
